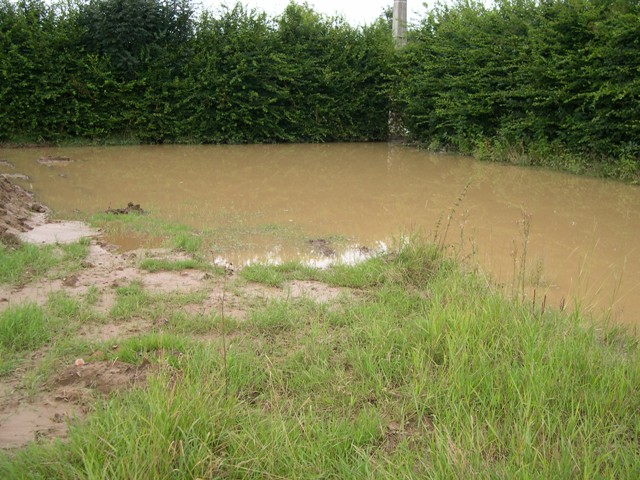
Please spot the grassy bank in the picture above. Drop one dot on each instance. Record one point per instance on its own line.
(421, 369)
(623, 167)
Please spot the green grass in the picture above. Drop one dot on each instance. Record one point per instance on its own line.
(276, 275)
(28, 262)
(28, 327)
(24, 327)
(429, 372)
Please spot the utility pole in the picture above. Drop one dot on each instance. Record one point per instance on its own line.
(400, 22)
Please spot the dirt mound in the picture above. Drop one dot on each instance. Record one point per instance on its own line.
(18, 209)
(103, 376)
(130, 208)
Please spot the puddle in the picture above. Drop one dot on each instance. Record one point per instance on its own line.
(266, 202)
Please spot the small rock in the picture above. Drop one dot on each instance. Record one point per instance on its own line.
(79, 362)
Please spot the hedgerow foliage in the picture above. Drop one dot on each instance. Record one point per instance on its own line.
(526, 75)
(524, 80)
(154, 71)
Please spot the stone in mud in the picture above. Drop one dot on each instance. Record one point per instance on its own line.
(15, 176)
(51, 161)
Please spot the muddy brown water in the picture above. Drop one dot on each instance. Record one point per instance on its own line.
(583, 243)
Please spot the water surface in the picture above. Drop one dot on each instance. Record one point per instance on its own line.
(584, 232)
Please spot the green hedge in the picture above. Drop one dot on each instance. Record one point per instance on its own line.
(153, 71)
(535, 76)
(523, 79)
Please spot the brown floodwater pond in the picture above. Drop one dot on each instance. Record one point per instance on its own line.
(268, 201)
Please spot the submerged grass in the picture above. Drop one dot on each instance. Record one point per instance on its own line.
(429, 372)
(232, 231)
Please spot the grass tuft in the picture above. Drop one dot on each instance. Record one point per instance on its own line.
(24, 327)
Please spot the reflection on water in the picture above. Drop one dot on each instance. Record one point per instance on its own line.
(584, 232)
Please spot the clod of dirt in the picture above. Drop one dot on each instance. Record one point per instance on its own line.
(130, 208)
(70, 281)
(6, 163)
(51, 161)
(322, 247)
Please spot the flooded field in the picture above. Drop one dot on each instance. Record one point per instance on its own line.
(270, 201)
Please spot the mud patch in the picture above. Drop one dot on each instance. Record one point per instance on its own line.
(24, 421)
(36, 293)
(35, 421)
(116, 331)
(166, 282)
(316, 291)
(61, 232)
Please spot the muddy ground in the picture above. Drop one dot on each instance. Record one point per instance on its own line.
(27, 416)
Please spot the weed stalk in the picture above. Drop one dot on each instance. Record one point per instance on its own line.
(224, 340)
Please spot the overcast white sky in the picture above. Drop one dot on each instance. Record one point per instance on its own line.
(357, 12)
